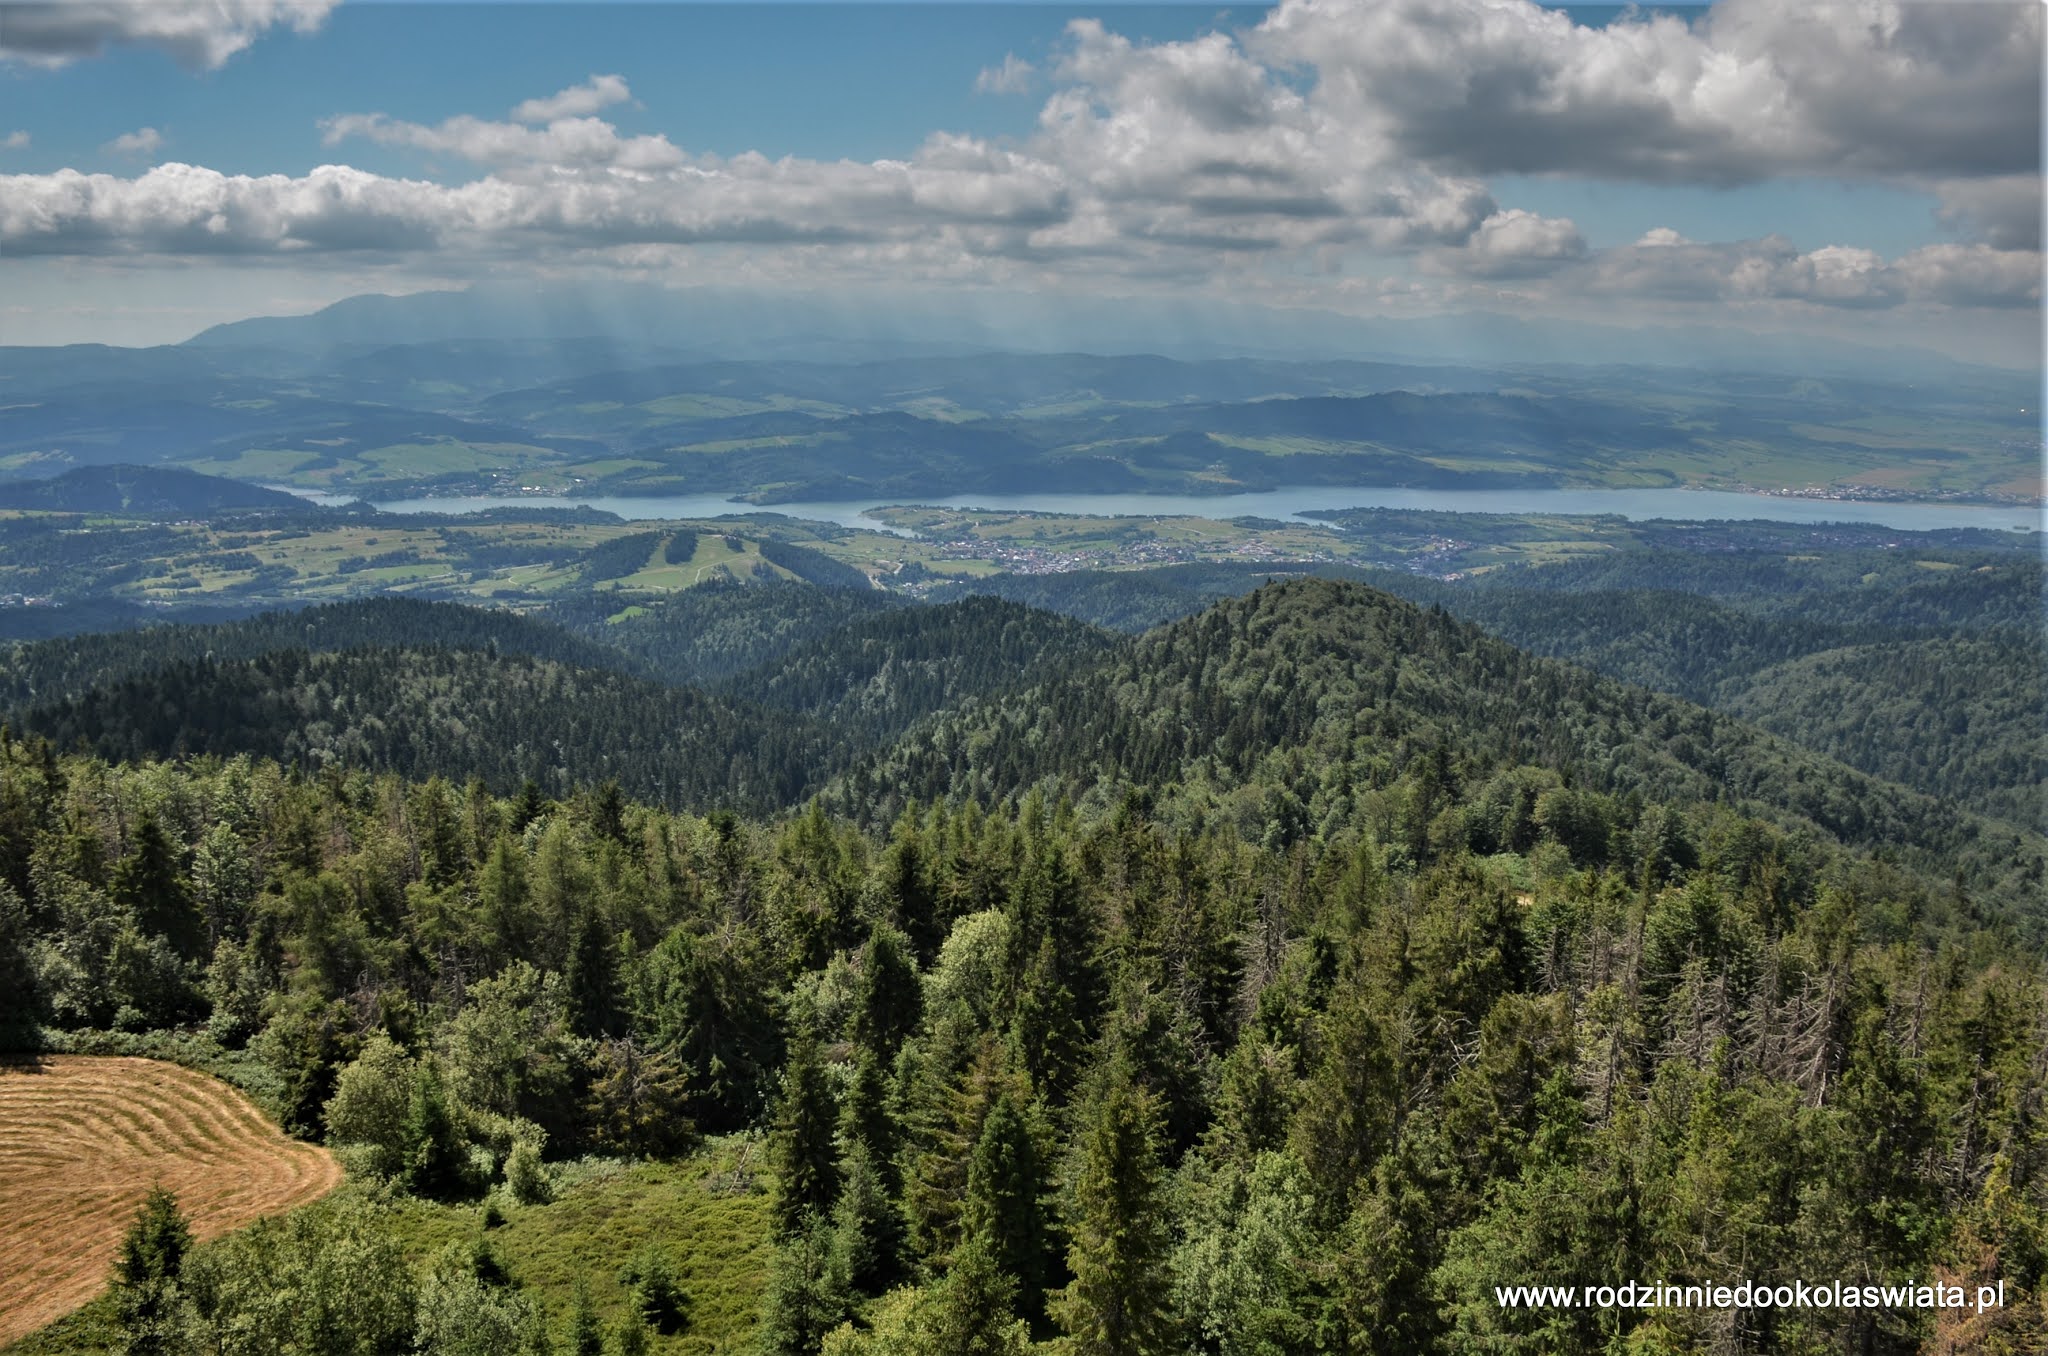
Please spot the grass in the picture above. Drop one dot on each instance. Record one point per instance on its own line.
(709, 1211)
(711, 556)
(718, 1238)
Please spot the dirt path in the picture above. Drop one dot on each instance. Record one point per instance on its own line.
(82, 1140)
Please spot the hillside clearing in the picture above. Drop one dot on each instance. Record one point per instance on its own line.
(83, 1139)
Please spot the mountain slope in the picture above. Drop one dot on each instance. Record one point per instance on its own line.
(1313, 699)
(47, 671)
(456, 714)
(1961, 716)
(721, 627)
(141, 490)
(873, 678)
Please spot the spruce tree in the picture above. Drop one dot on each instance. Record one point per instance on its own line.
(968, 1313)
(1006, 1181)
(147, 883)
(586, 1334)
(593, 979)
(1117, 1303)
(867, 1231)
(1046, 1034)
(146, 1272)
(867, 1117)
(890, 998)
(806, 1158)
(435, 1158)
(801, 1304)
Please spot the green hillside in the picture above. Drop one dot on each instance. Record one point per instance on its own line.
(1313, 703)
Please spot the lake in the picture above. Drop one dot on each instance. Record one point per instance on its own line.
(1686, 505)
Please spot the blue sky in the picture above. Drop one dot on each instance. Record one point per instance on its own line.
(1423, 203)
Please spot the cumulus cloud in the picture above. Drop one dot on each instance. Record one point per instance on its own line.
(569, 143)
(200, 34)
(1195, 143)
(577, 101)
(14, 141)
(2003, 212)
(177, 208)
(1014, 76)
(141, 141)
(1512, 244)
(1328, 130)
(1749, 90)
(1664, 265)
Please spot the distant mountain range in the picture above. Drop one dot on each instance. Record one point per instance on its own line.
(840, 327)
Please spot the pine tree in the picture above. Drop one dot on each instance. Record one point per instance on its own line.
(1117, 1303)
(806, 1159)
(146, 1273)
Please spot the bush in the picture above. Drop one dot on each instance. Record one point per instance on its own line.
(526, 1176)
(371, 1101)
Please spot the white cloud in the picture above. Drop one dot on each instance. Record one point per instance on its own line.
(141, 141)
(1014, 76)
(1512, 244)
(577, 101)
(14, 141)
(566, 143)
(1971, 275)
(1664, 265)
(2004, 212)
(1748, 90)
(1330, 132)
(200, 34)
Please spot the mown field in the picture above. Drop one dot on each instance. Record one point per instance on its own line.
(84, 1138)
(709, 1213)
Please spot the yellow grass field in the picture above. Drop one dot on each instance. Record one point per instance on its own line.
(82, 1140)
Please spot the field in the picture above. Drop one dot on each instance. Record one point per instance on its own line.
(84, 1138)
(710, 1212)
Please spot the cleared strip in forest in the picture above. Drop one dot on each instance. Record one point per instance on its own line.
(82, 1140)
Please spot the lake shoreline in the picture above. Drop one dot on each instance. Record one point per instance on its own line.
(1304, 504)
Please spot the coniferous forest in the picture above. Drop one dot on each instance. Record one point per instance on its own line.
(1291, 977)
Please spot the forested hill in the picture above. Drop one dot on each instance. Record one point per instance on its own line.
(158, 491)
(1313, 702)
(721, 627)
(457, 714)
(1961, 715)
(1306, 704)
(41, 672)
(1927, 672)
(875, 677)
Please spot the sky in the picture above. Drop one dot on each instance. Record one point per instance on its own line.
(1858, 169)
